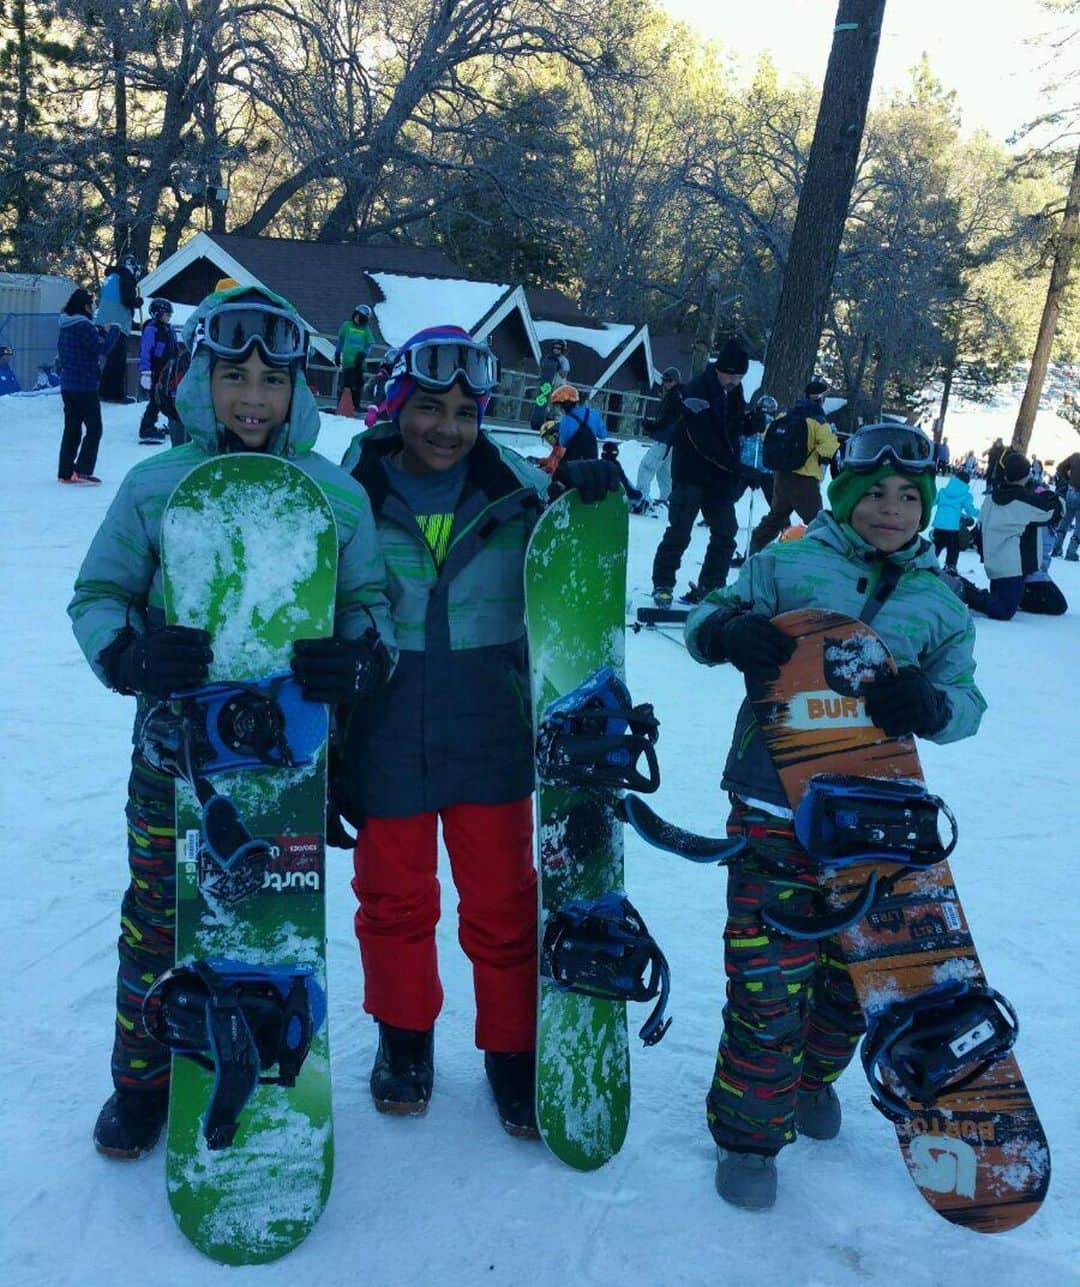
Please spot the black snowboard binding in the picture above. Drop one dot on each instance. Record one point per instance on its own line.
(935, 1043)
(236, 1020)
(594, 736)
(601, 948)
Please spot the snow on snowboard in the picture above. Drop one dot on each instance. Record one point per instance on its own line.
(938, 1047)
(249, 553)
(595, 952)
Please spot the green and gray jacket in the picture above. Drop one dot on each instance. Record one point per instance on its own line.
(454, 724)
(923, 623)
(119, 584)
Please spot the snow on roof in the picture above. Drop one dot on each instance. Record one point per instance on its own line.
(603, 340)
(413, 303)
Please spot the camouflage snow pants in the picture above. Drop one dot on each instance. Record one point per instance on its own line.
(147, 940)
(792, 1020)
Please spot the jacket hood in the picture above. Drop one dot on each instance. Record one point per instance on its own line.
(917, 554)
(73, 319)
(194, 402)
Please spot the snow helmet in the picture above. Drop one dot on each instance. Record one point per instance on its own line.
(793, 533)
(363, 310)
(671, 373)
(160, 307)
(565, 393)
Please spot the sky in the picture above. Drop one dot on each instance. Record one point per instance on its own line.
(974, 48)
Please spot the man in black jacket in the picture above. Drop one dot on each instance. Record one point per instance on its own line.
(705, 474)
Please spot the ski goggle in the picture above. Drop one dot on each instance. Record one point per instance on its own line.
(232, 331)
(872, 446)
(437, 364)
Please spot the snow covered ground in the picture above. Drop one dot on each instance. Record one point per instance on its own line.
(449, 1198)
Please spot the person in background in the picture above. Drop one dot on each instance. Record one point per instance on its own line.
(1037, 470)
(80, 347)
(656, 462)
(168, 382)
(9, 381)
(554, 372)
(354, 340)
(156, 351)
(995, 457)
(800, 489)
(942, 454)
(952, 503)
(116, 307)
(1067, 481)
(971, 463)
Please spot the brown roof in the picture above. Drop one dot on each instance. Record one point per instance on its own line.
(553, 306)
(326, 281)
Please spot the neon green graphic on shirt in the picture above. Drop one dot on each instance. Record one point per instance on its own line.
(436, 529)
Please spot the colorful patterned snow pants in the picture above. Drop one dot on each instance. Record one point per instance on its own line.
(792, 1020)
(147, 942)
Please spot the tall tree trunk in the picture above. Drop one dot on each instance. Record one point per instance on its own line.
(946, 391)
(120, 177)
(855, 396)
(824, 199)
(1059, 279)
(24, 256)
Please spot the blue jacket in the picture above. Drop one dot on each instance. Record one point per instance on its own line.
(80, 347)
(579, 432)
(158, 346)
(953, 501)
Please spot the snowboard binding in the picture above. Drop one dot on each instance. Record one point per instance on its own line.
(601, 948)
(934, 1044)
(843, 820)
(236, 1020)
(594, 736)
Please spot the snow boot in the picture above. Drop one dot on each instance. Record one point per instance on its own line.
(513, 1083)
(662, 596)
(129, 1124)
(817, 1113)
(696, 593)
(404, 1070)
(746, 1180)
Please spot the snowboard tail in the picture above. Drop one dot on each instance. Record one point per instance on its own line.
(974, 1146)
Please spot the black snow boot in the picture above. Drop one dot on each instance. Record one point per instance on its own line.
(817, 1114)
(129, 1124)
(746, 1180)
(404, 1070)
(513, 1083)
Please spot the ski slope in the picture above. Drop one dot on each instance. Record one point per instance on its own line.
(449, 1198)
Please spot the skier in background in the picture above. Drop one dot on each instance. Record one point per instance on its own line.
(953, 502)
(354, 340)
(792, 1021)
(554, 372)
(244, 391)
(656, 462)
(156, 351)
(450, 739)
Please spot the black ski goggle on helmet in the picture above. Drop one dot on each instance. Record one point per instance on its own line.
(232, 330)
(437, 364)
(907, 449)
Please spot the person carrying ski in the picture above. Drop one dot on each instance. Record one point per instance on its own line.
(449, 740)
(1011, 523)
(953, 502)
(117, 304)
(354, 340)
(156, 351)
(80, 347)
(706, 474)
(799, 489)
(244, 391)
(792, 1021)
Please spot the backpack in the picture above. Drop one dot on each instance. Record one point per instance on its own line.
(787, 443)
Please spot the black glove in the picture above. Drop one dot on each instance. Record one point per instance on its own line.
(159, 663)
(339, 671)
(907, 702)
(748, 640)
(592, 479)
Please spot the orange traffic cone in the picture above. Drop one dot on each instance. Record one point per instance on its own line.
(345, 405)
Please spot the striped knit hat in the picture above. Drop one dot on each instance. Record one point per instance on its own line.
(400, 387)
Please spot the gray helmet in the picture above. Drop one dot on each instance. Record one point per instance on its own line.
(363, 310)
(159, 307)
(671, 373)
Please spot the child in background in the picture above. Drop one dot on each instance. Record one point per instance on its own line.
(952, 503)
(792, 1021)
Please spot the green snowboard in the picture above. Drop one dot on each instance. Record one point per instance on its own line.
(575, 604)
(249, 553)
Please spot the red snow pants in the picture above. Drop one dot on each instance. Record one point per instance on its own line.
(491, 860)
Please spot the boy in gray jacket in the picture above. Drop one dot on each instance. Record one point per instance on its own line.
(792, 1021)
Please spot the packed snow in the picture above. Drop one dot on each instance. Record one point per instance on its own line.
(450, 1198)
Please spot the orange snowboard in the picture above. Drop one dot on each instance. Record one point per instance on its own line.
(979, 1155)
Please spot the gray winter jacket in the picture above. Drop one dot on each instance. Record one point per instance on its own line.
(923, 623)
(119, 583)
(1010, 518)
(454, 724)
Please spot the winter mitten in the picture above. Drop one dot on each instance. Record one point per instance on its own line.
(907, 702)
(752, 644)
(340, 671)
(159, 663)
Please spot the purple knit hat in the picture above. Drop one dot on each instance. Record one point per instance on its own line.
(400, 387)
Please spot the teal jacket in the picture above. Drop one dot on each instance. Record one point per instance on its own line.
(454, 724)
(923, 623)
(119, 583)
(953, 501)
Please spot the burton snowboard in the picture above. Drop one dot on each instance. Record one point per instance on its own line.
(575, 598)
(937, 1050)
(249, 553)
